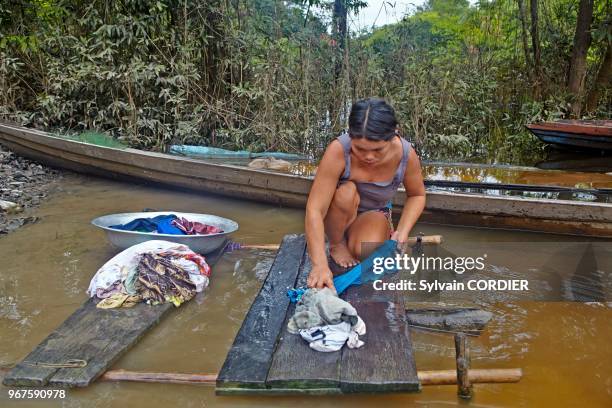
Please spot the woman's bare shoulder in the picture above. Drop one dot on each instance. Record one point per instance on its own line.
(333, 158)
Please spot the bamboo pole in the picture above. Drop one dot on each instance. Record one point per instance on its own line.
(476, 376)
(426, 240)
(167, 378)
(431, 377)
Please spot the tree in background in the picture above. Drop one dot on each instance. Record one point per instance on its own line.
(271, 74)
(578, 64)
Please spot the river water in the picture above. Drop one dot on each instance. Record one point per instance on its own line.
(562, 347)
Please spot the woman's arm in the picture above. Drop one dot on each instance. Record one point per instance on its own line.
(320, 196)
(415, 198)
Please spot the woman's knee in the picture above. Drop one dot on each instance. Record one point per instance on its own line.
(346, 196)
(367, 234)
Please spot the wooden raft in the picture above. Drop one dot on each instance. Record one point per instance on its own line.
(97, 336)
(266, 359)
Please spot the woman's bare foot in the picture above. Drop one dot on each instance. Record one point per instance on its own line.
(341, 255)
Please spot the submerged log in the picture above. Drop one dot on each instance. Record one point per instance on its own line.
(467, 320)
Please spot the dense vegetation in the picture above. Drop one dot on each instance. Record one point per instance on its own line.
(271, 74)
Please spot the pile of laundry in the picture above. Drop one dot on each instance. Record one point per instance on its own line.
(168, 224)
(154, 272)
(325, 321)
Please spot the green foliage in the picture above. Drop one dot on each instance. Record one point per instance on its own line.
(262, 74)
(460, 81)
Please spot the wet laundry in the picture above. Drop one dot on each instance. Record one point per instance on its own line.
(326, 321)
(364, 271)
(118, 267)
(194, 227)
(321, 307)
(154, 272)
(114, 289)
(162, 224)
(119, 300)
(161, 280)
(333, 336)
(168, 224)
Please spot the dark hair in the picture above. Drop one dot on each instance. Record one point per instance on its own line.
(372, 118)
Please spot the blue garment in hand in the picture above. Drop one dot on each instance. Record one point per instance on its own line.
(161, 224)
(364, 271)
(359, 274)
(296, 294)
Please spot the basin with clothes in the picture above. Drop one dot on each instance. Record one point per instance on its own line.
(202, 244)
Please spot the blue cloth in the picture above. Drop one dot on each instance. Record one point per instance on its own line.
(161, 224)
(359, 274)
(296, 294)
(363, 272)
(214, 152)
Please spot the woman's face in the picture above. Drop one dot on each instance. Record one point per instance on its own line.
(370, 152)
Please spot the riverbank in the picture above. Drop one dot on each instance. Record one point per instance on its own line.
(24, 185)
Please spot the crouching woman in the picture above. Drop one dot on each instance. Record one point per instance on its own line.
(350, 199)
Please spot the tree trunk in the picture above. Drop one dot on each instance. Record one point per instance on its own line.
(523, 18)
(603, 80)
(535, 43)
(214, 54)
(578, 64)
(339, 35)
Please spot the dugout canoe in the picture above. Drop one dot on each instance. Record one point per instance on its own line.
(444, 207)
(581, 134)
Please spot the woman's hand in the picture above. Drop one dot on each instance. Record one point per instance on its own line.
(320, 277)
(401, 241)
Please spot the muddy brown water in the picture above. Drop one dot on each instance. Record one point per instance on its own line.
(480, 173)
(563, 347)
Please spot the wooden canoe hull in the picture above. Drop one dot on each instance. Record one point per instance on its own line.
(594, 135)
(555, 216)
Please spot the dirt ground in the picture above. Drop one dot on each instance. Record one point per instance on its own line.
(24, 183)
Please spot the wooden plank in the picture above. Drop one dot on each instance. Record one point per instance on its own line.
(277, 391)
(50, 350)
(101, 337)
(295, 365)
(98, 336)
(386, 362)
(248, 361)
(367, 293)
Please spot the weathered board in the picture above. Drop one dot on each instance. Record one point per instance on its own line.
(97, 336)
(293, 364)
(249, 359)
(384, 364)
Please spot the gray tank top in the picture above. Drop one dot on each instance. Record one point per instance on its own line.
(374, 195)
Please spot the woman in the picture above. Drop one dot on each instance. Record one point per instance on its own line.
(350, 199)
